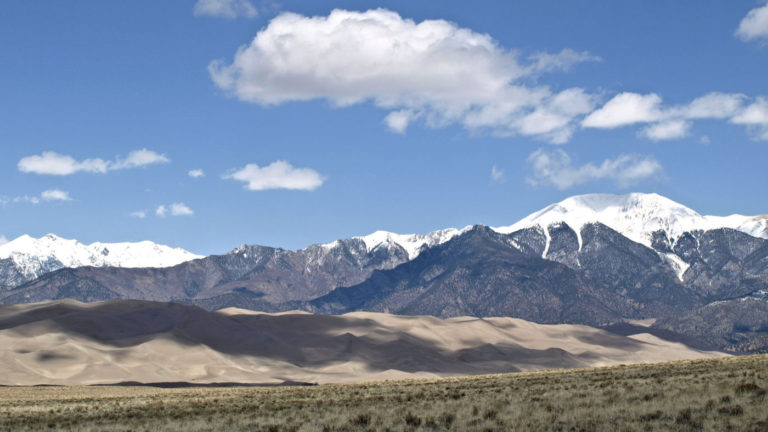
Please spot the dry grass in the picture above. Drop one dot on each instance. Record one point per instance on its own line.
(722, 394)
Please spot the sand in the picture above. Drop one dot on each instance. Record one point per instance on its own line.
(71, 343)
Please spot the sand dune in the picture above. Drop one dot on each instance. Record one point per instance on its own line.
(67, 342)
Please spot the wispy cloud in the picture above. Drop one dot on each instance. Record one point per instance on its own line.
(3, 240)
(277, 175)
(225, 8)
(497, 175)
(555, 168)
(141, 214)
(431, 71)
(52, 163)
(754, 26)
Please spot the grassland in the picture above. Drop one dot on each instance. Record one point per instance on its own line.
(722, 394)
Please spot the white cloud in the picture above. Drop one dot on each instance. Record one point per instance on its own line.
(277, 175)
(754, 114)
(674, 122)
(497, 175)
(667, 130)
(225, 8)
(3, 240)
(161, 210)
(139, 214)
(46, 195)
(555, 168)
(52, 163)
(713, 105)
(57, 164)
(138, 158)
(55, 195)
(754, 25)
(196, 173)
(564, 60)
(433, 71)
(180, 209)
(397, 121)
(755, 117)
(27, 199)
(625, 109)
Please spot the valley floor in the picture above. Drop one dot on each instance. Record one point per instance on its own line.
(713, 394)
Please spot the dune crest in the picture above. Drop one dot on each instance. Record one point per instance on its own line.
(69, 343)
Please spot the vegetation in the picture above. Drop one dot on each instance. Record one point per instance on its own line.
(723, 394)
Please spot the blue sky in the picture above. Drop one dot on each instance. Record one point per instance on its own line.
(310, 125)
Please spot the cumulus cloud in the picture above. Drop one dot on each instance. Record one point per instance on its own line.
(277, 175)
(196, 173)
(555, 168)
(434, 71)
(755, 25)
(225, 8)
(52, 163)
(175, 209)
(497, 175)
(55, 195)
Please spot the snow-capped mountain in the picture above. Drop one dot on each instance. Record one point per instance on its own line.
(637, 216)
(27, 258)
(413, 244)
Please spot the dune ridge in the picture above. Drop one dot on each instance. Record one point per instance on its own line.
(72, 343)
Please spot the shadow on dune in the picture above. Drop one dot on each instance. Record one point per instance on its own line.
(304, 340)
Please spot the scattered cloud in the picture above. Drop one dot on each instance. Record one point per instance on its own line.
(397, 121)
(672, 129)
(175, 209)
(55, 195)
(564, 60)
(181, 209)
(26, 199)
(555, 168)
(625, 109)
(139, 214)
(755, 25)
(46, 195)
(52, 163)
(497, 175)
(196, 173)
(230, 9)
(277, 175)
(433, 71)
(673, 122)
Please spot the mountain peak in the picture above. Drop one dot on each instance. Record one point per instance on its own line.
(635, 215)
(71, 253)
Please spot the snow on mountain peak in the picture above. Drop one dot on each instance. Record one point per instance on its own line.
(412, 243)
(636, 216)
(26, 251)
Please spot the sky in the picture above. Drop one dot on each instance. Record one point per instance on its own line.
(206, 124)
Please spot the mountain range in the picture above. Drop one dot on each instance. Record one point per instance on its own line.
(600, 260)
